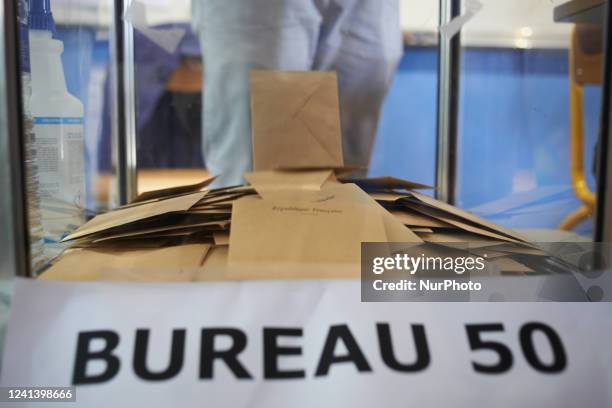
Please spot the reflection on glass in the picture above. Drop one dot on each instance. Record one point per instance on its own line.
(361, 41)
(178, 135)
(515, 151)
(64, 52)
(405, 145)
(31, 170)
(58, 130)
(187, 54)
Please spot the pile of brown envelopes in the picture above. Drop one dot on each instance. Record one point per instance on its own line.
(285, 224)
(297, 217)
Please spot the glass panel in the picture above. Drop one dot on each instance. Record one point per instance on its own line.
(171, 37)
(64, 69)
(515, 118)
(168, 86)
(8, 244)
(406, 143)
(186, 54)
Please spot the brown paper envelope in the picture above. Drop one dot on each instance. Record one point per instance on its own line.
(231, 190)
(386, 183)
(350, 193)
(218, 199)
(217, 206)
(70, 266)
(166, 229)
(458, 236)
(124, 216)
(175, 263)
(513, 249)
(210, 211)
(311, 196)
(295, 119)
(128, 243)
(214, 267)
(464, 225)
(276, 182)
(467, 216)
(421, 229)
(171, 191)
(292, 270)
(388, 197)
(155, 240)
(164, 222)
(221, 238)
(153, 200)
(117, 241)
(396, 231)
(286, 232)
(416, 219)
(169, 264)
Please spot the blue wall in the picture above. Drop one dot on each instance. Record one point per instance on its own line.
(406, 142)
(513, 132)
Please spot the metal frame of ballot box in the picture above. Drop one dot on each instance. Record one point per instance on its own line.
(14, 238)
(603, 225)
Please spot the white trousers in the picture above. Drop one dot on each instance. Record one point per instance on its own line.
(359, 39)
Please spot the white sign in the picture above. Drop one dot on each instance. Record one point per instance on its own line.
(301, 344)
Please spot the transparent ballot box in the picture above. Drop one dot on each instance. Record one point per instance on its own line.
(460, 121)
(202, 198)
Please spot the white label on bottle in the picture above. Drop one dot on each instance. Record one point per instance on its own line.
(61, 171)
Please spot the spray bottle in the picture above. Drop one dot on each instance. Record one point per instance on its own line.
(58, 129)
(36, 232)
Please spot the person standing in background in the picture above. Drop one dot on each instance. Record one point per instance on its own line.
(359, 39)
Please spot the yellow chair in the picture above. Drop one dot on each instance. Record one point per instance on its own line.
(585, 59)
